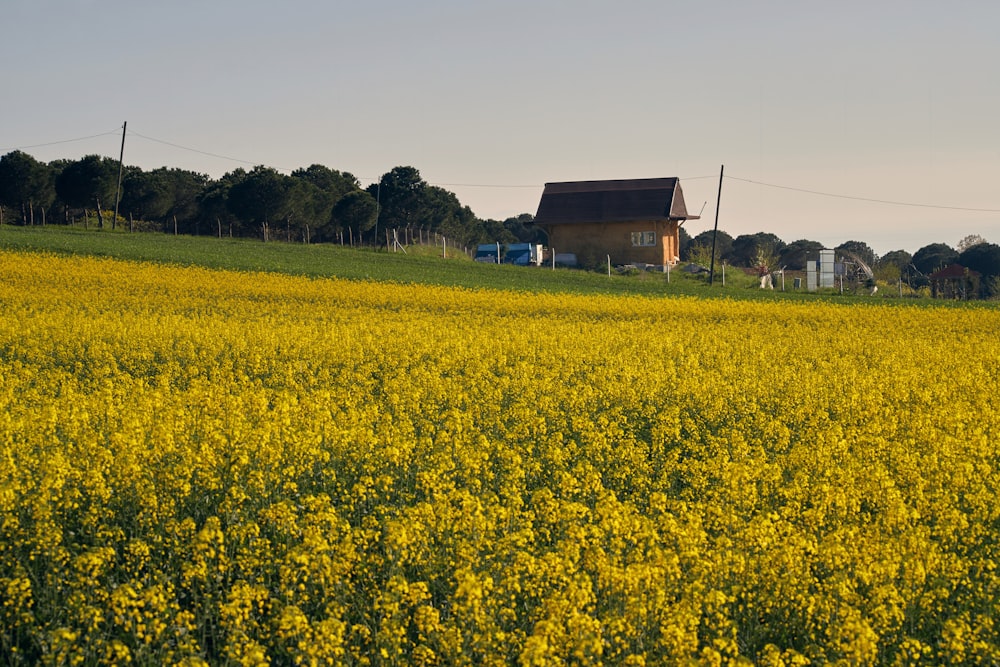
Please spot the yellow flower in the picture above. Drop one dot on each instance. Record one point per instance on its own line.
(202, 466)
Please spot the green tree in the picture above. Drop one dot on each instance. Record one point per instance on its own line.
(406, 201)
(894, 265)
(401, 198)
(969, 241)
(723, 245)
(699, 253)
(185, 188)
(26, 183)
(145, 195)
(260, 199)
(497, 231)
(354, 215)
(213, 203)
(314, 193)
(335, 183)
(307, 208)
(748, 249)
(985, 259)
(441, 210)
(684, 240)
(89, 181)
(168, 196)
(859, 250)
(795, 255)
(520, 229)
(932, 257)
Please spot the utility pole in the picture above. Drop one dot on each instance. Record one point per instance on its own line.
(715, 234)
(118, 192)
(378, 210)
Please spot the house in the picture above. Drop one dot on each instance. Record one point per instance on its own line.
(954, 282)
(634, 221)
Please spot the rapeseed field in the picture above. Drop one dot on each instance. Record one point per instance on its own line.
(207, 467)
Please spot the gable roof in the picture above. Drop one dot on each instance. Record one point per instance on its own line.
(953, 271)
(612, 201)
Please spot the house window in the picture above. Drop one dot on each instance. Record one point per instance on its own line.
(643, 238)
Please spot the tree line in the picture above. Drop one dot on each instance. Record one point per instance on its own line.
(318, 204)
(767, 251)
(314, 205)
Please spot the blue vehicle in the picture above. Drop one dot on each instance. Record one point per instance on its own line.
(488, 253)
(523, 254)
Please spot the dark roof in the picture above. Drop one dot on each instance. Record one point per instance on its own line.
(612, 201)
(953, 271)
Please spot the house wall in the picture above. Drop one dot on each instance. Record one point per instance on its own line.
(593, 242)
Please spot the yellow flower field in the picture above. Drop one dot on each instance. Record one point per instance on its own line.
(228, 468)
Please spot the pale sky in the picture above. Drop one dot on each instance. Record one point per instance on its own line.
(881, 100)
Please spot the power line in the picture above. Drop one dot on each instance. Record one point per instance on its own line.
(61, 141)
(195, 150)
(482, 185)
(493, 185)
(865, 199)
(515, 186)
(819, 193)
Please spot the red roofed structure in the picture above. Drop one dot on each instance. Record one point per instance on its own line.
(954, 282)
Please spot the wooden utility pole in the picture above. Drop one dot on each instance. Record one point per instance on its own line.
(378, 211)
(715, 234)
(118, 192)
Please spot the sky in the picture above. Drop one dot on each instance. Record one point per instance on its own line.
(875, 120)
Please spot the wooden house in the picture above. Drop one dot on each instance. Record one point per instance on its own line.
(633, 221)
